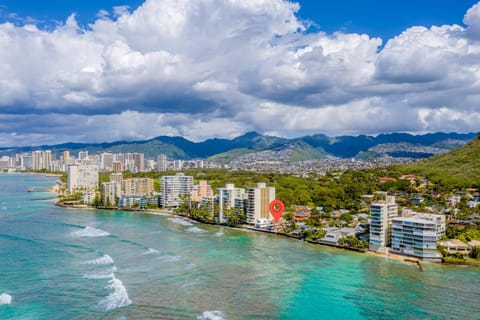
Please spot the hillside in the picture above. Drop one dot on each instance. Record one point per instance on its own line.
(304, 148)
(460, 167)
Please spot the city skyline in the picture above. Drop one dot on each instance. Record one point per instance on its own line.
(280, 68)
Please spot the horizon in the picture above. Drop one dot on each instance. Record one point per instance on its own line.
(133, 70)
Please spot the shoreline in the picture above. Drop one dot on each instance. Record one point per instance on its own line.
(169, 213)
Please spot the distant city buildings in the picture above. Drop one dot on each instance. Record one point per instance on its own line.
(162, 163)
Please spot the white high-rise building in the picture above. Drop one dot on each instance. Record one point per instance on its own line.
(26, 162)
(381, 216)
(37, 163)
(258, 203)
(111, 191)
(227, 197)
(106, 161)
(82, 155)
(416, 234)
(47, 159)
(116, 177)
(162, 163)
(175, 189)
(82, 178)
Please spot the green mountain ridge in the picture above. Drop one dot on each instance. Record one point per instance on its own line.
(315, 146)
(460, 167)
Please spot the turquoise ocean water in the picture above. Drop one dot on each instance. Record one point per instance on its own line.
(58, 263)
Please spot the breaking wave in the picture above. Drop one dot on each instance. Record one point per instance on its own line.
(196, 230)
(89, 232)
(212, 315)
(5, 299)
(106, 259)
(151, 251)
(117, 298)
(181, 221)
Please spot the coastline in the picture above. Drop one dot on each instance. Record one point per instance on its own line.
(169, 213)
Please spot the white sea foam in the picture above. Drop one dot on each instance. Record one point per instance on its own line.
(219, 234)
(89, 232)
(212, 315)
(5, 298)
(117, 298)
(169, 258)
(195, 230)
(188, 284)
(151, 251)
(106, 259)
(181, 221)
(104, 274)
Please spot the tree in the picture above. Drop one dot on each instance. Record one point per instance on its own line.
(475, 252)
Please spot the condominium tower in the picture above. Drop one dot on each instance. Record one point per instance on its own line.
(175, 189)
(381, 216)
(258, 203)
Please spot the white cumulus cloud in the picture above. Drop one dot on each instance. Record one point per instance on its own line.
(223, 67)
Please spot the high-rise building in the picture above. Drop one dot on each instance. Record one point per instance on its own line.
(47, 159)
(26, 161)
(116, 177)
(177, 165)
(381, 216)
(117, 166)
(228, 197)
(200, 191)
(82, 178)
(106, 161)
(416, 234)
(139, 161)
(37, 163)
(66, 155)
(82, 155)
(111, 191)
(138, 186)
(258, 203)
(162, 163)
(175, 189)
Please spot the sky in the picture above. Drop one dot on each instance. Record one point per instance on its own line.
(95, 71)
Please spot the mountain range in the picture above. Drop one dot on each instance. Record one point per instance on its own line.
(302, 148)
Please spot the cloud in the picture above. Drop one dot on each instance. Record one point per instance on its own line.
(219, 68)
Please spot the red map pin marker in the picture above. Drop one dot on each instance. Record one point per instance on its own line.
(276, 209)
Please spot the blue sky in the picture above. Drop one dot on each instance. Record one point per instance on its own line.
(380, 18)
(220, 68)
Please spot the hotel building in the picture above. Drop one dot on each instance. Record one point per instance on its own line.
(229, 197)
(381, 216)
(416, 234)
(82, 178)
(258, 203)
(175, 189)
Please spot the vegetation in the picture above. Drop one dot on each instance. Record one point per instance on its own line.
(456, 169)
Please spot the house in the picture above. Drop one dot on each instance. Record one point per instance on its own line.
(454, 245)
(333, 235)
(417, 199)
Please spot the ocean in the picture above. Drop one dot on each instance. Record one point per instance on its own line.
(58, 263)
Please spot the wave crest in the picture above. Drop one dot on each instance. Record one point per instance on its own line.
(89, 232)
